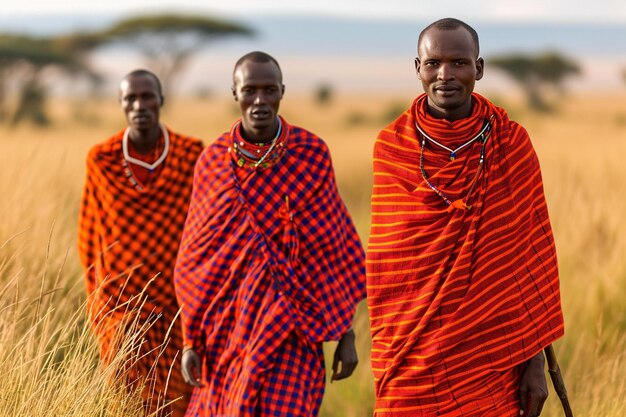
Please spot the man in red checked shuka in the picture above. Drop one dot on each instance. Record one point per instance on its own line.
(132, 214)
(270, 264)
(462, 281)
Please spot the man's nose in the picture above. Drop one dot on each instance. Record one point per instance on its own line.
(445, 72)
(138, 104)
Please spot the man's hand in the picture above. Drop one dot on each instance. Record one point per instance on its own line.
(191, 367)
(533, 387)
(346, 354)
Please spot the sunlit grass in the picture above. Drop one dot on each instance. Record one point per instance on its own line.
(48, 357)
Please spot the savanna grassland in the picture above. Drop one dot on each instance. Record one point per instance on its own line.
(48, 358)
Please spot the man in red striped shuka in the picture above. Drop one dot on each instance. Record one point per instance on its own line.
(462, 280)
(270, 264)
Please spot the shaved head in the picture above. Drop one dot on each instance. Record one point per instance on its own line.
(145, 73)
(257, 56)
(450, 23)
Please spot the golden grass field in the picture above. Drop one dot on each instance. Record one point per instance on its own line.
(48, 358)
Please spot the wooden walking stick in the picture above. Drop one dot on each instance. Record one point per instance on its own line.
(557, 380)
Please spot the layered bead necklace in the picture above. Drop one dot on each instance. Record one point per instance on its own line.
(258, 155)
(128, 159)
(481, 137)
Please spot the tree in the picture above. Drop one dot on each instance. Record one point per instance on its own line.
(25, 61)
(324, 94)
(168, 42)
(535, 72)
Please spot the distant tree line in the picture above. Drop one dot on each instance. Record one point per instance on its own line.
(166, 42)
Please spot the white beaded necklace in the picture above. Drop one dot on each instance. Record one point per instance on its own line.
(453, 152)
(141, 163)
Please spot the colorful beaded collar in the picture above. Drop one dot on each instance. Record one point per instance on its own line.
(257, 155)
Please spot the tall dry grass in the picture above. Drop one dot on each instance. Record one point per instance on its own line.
(48, 358)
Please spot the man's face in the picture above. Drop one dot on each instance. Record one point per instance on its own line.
(141, 101)
(448, 66)
(258, 89)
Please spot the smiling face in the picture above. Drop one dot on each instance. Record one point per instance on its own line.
(448, 66)
(258, 89)
(141, 100)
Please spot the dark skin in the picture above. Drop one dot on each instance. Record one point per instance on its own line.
(141, 101)
(448, 67)
(258, 88)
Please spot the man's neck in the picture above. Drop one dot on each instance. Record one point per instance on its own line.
(451, 116)
(259, 136)
(144, 141)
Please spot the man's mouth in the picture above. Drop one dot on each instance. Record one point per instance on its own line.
(260, 114)
(446, 90)
(141, 118)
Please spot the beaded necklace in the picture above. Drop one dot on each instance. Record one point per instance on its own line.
(257, 155)
(482, 137)
(127, 159)
(453, 152)
(141, 163)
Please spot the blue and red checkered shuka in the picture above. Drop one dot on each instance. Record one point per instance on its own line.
(270, 266)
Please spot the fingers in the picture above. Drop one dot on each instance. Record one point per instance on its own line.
(347, 368)
(335, 367)
(540, 406)
(191, 368)
(531, 402)
(523, 396)
(533, 387)
(349, 361)
(346, 354)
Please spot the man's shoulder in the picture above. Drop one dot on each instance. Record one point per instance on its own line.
(185, 140)
(301, 137)
(106, 147)
(400, 129)
(215, 150)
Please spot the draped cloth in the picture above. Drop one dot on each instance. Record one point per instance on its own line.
(270, 266)
(129, 235)
(458, 299)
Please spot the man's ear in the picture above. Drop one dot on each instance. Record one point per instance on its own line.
(162, 100)
(282, 90)
(480, 68)
(234, 91)
(417, 68)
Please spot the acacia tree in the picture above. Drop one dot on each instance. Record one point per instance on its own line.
(533, 73)
(24, 62)
(168, 42)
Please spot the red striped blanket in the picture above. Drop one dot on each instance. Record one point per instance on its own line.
(457, 298)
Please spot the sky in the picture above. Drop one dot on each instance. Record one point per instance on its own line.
(576, 11)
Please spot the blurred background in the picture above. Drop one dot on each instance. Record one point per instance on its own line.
(558, 67)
